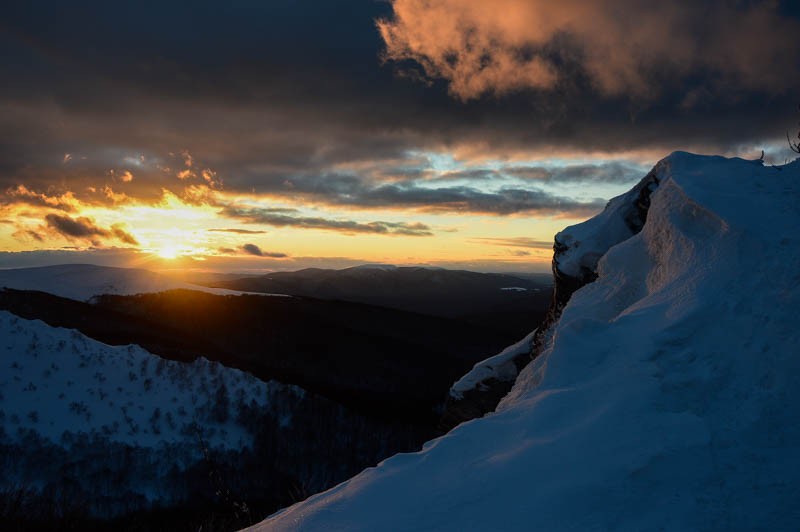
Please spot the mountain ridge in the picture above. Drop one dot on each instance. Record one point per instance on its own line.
(661, 397)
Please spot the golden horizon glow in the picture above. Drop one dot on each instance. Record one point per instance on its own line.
(174, 231)
(191, 229)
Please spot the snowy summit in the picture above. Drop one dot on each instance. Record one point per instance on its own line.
(664, 398)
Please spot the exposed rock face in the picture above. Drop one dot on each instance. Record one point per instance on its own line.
(475, 403)
(576, 251)
(480, 390)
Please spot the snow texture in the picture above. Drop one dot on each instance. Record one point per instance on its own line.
(84, 281)
(665, 399)
(500, 367)
(582, 245)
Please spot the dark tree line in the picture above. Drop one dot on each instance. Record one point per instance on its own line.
(795, 146)
(301, 445)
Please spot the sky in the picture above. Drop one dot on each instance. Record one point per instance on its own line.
(260, 136)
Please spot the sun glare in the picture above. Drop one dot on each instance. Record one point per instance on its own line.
(168, 252)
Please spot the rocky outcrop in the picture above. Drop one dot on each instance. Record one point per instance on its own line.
(576, 251)
(477, 402)
(480, 390)
(575, 262)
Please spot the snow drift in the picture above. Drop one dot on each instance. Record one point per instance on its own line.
(663, 399)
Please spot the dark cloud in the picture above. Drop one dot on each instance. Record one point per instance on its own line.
(288, 218)
(522, 242)
(238, 89)
(359, 192)
(84, 228)
(123, 236)
(252, 249)
(475, 174)
(237, 231)
(78, 227)
(461, 199)
(614, 172)
(421, 188)
(482, 48)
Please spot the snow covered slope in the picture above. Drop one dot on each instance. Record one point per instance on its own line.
(118, 427)
(665, 398)
(83, 281)
(57, 380)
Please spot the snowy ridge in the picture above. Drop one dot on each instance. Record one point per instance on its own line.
(579, 247)
(664, 399)
(57, 380)
(117, 429)
(84, 281)
(500, 367)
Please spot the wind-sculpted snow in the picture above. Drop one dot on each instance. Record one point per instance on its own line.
(665, 398)
(580, 246)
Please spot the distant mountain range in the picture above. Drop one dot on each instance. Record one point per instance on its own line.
(82, 281)
(511, 303)
(364, 365)
(354, 334)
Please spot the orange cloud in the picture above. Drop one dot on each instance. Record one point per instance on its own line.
(623, 46)
(21, 194)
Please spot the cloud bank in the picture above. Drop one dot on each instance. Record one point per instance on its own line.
(290, 218)
(623, 47)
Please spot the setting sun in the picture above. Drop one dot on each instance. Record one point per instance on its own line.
(400, 264)
(168, 252)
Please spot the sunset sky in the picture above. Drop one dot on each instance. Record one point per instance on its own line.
(283, 134)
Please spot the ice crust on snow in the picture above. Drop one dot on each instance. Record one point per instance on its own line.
(665, 399)
(84, 281)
